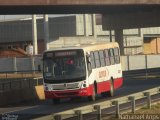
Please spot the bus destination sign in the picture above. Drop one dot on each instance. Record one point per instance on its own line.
(65, 53)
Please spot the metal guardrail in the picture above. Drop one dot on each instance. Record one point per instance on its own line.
(79, 112)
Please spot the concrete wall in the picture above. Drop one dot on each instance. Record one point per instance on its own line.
(20, 95)
(137, 62)
(18, 90)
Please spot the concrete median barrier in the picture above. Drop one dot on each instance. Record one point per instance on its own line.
(40, 92)
(19, 95)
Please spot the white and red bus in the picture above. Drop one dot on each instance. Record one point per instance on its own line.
(84, 70)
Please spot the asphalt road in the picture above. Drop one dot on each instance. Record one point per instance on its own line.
(33, 109)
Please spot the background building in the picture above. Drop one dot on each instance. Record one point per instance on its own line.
(16, 32)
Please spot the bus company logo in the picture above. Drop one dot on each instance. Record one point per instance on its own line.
(103, 74)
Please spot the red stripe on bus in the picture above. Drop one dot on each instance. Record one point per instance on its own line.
(101, 87)
(105, 86)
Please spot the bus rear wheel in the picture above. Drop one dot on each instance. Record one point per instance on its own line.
(56, 101)
(93, 96)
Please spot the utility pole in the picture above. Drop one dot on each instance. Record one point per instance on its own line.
(46, 31)
(34, 34)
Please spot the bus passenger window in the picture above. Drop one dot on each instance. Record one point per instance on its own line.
(92, 61)
(97, 61)
(102, 60)
(111, 55)
(107, 57)
(116, 55)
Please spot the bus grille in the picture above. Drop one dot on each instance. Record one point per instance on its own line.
(66, 86)
(67, 94)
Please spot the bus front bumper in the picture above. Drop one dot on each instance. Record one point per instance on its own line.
(69, 93)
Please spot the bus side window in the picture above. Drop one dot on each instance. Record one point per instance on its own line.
(92, 60)
(102, 59)
(97, 61)
(107, 57)
(111, 55)
(116, 55)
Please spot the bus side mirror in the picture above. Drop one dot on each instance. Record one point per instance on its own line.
(88, 58)
(89, 63)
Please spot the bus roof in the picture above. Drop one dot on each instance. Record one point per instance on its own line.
(87, 47)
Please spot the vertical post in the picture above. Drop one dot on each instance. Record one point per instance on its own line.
(116, 103)
(119, 39)
(156, 46)
(132, 99)
(34, 34)
(85, 21)
(46, 31)
(147, 94)
(15, 65)
(128, 62)
(57, 117)
(33, 65)
(110, 35)
(98, 109)
(146, 64)
(94, 30)
(84, 24)
(79, 114)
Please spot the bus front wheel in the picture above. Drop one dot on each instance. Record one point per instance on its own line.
(93, 96)
(111, 92)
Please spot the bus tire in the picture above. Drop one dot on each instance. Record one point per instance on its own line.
(93, 96)
(56, 101)
(111, 92)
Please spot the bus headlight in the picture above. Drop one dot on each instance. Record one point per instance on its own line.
(84, 85)
(46, 88)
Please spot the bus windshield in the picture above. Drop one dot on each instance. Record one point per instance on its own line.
(64, 65)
